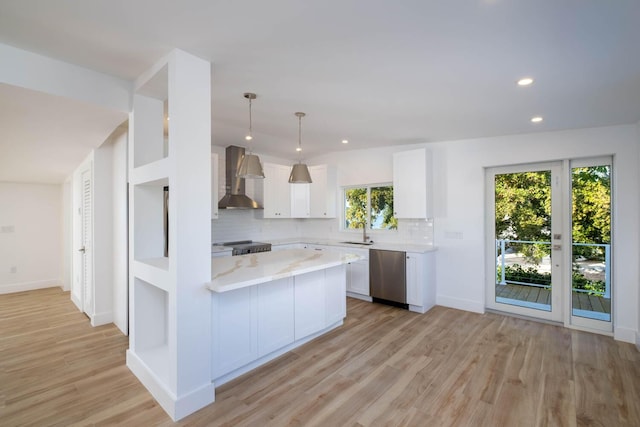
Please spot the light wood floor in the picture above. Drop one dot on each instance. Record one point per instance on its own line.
(385, 366)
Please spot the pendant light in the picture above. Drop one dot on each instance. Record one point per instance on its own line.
(250, 166)
(299, 171)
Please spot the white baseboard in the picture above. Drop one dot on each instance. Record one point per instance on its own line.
(625, 334)
(359, 296)
(11, 288)
(638, 340)
(100, 319)
(460, 304)
(176, 408)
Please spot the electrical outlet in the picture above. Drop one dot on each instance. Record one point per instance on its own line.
(13, 269)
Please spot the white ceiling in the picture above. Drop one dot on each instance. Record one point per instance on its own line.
(376, 72)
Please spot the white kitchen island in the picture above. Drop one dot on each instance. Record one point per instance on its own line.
(268, 303)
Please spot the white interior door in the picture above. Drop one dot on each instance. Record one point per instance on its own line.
(86, 233)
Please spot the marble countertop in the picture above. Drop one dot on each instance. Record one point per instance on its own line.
(230, 273)
(390, 246)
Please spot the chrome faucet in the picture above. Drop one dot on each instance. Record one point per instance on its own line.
(365, 238)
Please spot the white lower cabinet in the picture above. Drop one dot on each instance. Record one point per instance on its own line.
(254, 324)
(309, 303)
(335, 302)
(421, 291)
(275, 315)
(234, 329)
(358, 274)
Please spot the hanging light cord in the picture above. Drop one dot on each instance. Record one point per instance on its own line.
(250, 130)
(300, 138)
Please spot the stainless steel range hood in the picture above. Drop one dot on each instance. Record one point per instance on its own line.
(235, 197)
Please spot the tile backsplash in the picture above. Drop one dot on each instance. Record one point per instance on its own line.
(250, 225)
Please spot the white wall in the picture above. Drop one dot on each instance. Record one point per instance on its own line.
(48, 75)
(461, 204)
(119, 227)
(67, 233)
(109, 246)
(30, 236)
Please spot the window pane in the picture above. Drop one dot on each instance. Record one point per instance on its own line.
(355, 207)
(382, 209)
(591, 246)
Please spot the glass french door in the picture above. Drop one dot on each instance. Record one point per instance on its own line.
(524, 244)
(589, 304)
(549, 241)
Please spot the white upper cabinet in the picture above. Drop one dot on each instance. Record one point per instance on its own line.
(277, 194)
(284, 200)
(322, 191)
(299, 200)
(412, 184)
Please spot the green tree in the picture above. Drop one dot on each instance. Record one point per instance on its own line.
(591, 204)
(355, 207)
(381, 208)
(523, 210)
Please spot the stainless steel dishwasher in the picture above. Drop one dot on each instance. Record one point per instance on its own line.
(388, 277)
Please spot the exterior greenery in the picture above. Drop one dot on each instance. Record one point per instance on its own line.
(523, 212)
(373, 204)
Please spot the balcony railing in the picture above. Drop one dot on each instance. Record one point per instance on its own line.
(501, 251)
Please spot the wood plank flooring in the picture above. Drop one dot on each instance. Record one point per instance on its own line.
(384, 367)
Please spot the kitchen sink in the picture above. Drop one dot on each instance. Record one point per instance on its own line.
(359, 243)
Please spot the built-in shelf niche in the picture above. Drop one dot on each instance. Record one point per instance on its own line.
(149, 221)
(151, 316)
(151, 127)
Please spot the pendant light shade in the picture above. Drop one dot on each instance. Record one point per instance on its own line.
(300, 171)
(250, 166)
(300, 174)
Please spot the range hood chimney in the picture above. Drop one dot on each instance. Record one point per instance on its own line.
(235, 197)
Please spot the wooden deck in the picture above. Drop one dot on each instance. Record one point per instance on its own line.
(581, 301)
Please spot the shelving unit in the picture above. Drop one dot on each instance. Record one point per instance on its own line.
(170, 147)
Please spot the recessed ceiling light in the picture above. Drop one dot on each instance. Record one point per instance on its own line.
(298, 149)
(536, 119)
(525, 81)
(345, 141)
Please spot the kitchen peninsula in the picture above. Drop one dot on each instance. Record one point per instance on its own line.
(268, 303)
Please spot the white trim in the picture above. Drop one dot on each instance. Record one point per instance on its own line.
(638, 340)
(177, 408)
(29, 286)
(104, 318)
(460, 304)
(625, 335)
(359, 296)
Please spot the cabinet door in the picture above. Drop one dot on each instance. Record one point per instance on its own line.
(335, 294)
(275, 315)
(299, 200)
(358, 277)
(414, 287)
(277, 196)
(309, 303)
(411, 184)
(323, 191)
(234, 330)
(214, 185)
